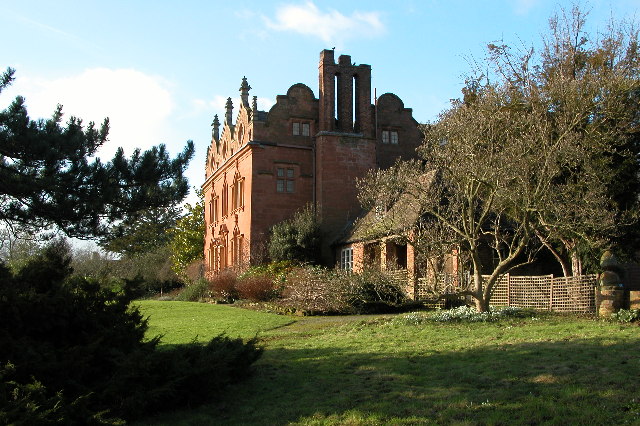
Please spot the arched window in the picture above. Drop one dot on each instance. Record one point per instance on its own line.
(237, 193)
(236, 247)
(225, 198)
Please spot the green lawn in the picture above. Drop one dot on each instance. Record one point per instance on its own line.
(182, 322)
(378, 370)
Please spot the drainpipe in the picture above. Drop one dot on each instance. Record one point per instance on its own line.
(315, 176)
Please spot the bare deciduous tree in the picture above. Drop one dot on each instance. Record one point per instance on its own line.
(531, 157)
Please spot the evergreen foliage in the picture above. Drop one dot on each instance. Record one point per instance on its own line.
(296, 239)
(72, 352)
(46, 178)
(142, 234)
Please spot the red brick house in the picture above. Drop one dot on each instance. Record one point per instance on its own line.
(265, 166)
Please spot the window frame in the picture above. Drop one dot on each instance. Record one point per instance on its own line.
(346, 259)
(390, 137)
(285, 182)
(301, 128)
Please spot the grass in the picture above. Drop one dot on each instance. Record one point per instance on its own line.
(184, 322)
(380, 370)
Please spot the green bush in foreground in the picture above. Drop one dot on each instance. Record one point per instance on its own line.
(72, 352)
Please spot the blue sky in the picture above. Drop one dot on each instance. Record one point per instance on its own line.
(160, 70)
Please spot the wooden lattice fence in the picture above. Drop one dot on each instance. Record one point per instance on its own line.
(560, 294)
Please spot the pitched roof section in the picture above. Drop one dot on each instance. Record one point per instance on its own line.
(399, 218)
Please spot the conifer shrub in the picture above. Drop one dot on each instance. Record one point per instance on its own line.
(73, 352)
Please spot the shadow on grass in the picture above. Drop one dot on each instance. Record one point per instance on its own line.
(588, 381)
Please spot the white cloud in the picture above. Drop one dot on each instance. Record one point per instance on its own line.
(331, 26)
(137, 104)
(522, 7)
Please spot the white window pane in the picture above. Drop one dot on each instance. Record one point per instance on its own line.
(280, 172)
(296, 128)
(289, 186)
(290, 173)
(305, 129)
(280, 185)
(385, 136)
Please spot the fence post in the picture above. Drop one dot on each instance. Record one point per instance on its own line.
(551, 293)
(508, 289)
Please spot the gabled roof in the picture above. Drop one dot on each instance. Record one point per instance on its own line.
(397, 219)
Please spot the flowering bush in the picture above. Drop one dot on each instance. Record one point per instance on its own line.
(626, 315)
(461, 313)
(470, 314)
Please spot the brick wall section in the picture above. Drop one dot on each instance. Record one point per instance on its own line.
(340, 160)
(298, 105)
(272, 207)
(393, 116)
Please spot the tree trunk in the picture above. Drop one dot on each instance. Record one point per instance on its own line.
(481, 304)
(576, 264)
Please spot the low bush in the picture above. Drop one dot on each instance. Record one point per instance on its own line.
(314, 290)
(183, 375)
(374, 291)
(277, 270)
(626, 315)
(327, 291)
(194, 291)
(256, 288)
(223, 286)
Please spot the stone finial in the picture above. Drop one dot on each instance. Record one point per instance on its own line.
(216, 127)
(244, 91)
(612, 270)
(254, 108)
(229, 114)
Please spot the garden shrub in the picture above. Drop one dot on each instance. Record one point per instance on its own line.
(183, 375)
(313, 289)
(73, 352)
(298, 238)
(278, 270)
(194, 291)
(223, 286)
(256, 288)
(330, 291)
(374, 291)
